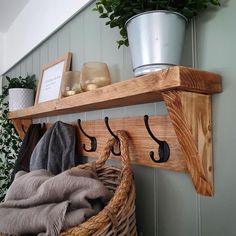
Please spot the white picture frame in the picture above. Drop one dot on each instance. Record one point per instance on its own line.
(49, 87)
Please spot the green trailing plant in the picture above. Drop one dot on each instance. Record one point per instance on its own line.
(9, 148)
(19, 82)
(9, 139)
(119, 11)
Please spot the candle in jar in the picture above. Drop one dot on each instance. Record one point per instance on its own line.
(90, 87)
(77, 88)
(101, 81)
(69, 93)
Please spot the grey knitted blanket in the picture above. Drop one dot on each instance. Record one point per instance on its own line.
(40, 203)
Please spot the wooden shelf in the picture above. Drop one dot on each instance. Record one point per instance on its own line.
(188, 127)
(139, 90)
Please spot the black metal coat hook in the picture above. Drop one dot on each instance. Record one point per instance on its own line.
(115, 136)
(93, 140)
(163, 150)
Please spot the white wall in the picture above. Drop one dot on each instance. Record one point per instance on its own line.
(35, 23)
(1, 52)
(0, 85)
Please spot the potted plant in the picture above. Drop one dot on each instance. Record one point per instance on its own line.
(154, 29)
(21, 91)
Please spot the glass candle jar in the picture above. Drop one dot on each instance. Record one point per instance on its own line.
(94, 75)
(70, 83)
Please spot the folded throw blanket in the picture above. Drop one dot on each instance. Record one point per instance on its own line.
(43, 204)
(55, 151)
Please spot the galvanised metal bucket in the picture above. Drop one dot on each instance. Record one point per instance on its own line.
(156, 40)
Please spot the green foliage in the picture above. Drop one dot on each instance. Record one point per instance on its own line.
(20, 82)
(9, 148)
(9, 139)
(119, 11)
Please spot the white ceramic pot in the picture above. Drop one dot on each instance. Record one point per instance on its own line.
(156, 40)
(20, 98)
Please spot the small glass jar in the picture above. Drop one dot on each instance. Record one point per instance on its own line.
(94, 75)
(70, 83)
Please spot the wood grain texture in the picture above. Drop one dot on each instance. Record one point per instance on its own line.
(190, 114)
(21, 126)
(198, 114)
(140, 143)
(199, 81)
(139, 90)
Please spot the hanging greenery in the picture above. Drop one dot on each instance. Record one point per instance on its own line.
(9, 140)
(9, 148)
(117, 12)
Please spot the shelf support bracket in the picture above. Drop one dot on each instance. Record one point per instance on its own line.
(190, 114)
(21, 126)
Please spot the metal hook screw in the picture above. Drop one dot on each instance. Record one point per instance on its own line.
(93, 140)
(115, 136)
(163, 150)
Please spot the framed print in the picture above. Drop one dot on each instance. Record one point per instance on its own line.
(49, 87)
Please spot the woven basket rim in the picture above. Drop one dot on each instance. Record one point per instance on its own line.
(121, 195)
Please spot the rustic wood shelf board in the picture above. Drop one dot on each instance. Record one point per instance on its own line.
(133, 91)
(187, 129)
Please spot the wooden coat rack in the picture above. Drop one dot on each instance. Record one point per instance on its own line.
(187, 129)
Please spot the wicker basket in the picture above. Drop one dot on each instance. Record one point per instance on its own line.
(118, 217)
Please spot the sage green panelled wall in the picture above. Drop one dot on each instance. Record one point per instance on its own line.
(167, 204)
